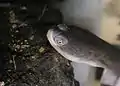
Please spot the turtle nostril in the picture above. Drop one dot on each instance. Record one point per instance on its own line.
(63, 27)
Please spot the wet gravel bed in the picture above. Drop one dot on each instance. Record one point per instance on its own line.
(27, 59)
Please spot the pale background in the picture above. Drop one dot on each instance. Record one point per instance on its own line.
(100, 17)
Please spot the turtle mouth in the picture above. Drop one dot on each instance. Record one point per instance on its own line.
(52, 33)
(50, 36)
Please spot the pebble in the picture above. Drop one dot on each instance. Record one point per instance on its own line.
(33, 57)
(2, 83)
(23, 8)
(10, 61)
(17, 31)
(14, 26)
(42, 49)
(32, 37)
(25, 46)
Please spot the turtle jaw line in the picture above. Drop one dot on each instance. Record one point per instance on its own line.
(50, 37)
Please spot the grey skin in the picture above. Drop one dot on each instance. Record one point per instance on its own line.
(80, 45)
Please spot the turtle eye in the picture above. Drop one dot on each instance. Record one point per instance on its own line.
(60, 40)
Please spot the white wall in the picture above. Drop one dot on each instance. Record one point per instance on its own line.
(83, 13)
(109, 78)
(84, 74)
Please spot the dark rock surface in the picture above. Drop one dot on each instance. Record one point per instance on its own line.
(27, 59)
